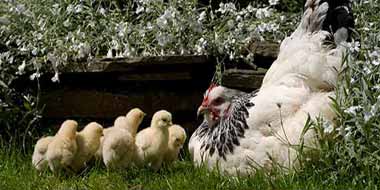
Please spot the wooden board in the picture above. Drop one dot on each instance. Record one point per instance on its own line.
(246, 80)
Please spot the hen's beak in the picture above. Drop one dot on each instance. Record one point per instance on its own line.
(201, 110)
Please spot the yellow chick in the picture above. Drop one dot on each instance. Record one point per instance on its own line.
(98, 153)
(177, 138)
(118, 146)
(88, 141)
(152, 142)
(62, 149)
(130, 122)
(118, 149)
(38, 158)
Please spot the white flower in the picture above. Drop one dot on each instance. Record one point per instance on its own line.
(109, 53)
(374, 54)
(34, 51)
(56, 6)
(328, 127)
(20, 8)
(367, 116)
(23, 48)
(163, 39)
(352, 80)
(102, 11)
(70, 8)
(161, 22)
(35, 75)
(127, 51)
(200, 47)
(354, 47)
(202, 16)
(376, 87)
(84, 50)
(39, 36)
(367, 70)
(139, 9)
(55, 78)
(250, 8)
(347, 132)
(225, 8)
(263, 13)
(21, 68)
(273, 2)
(232, 56)
(66, 23)
(352, 110)
(238, 18)
(78, 8)
(230, 24)
(149, 26)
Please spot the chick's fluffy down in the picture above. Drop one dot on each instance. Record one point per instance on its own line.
(38, 158)
(88, 141)
(152, 142)
(130, 122)
(177, 138)
(118, 149)
(61, 151)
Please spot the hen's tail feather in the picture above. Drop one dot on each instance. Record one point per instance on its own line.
(340, 20)
(334, 16)
(313, 17)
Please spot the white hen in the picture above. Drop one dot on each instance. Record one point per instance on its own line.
(256, 129)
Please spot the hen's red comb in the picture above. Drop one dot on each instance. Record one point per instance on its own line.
(205, 99)
(212, 85)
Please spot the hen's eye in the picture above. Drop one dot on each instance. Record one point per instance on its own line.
(218, 101)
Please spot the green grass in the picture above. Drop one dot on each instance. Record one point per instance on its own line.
(16, 172)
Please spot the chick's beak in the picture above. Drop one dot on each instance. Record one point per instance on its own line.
(202, 110)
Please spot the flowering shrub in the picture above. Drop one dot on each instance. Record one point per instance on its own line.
(48, 36)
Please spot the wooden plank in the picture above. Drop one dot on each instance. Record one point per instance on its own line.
(246, 80)
(121, 64)
(265, 53)
(79, 103)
